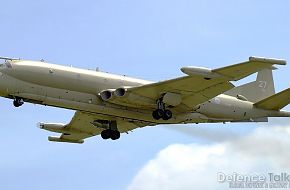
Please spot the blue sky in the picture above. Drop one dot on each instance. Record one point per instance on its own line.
(146, 39)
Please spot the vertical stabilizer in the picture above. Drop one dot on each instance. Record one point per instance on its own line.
(257, 90)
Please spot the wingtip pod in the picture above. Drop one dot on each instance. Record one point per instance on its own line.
(268, 60)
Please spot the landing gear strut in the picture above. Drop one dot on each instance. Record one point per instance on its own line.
(161, 111)
(18, 102)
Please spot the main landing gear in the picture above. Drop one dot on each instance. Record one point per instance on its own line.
(161, 111)
(110, 134)
(111, 129)
(17, 102)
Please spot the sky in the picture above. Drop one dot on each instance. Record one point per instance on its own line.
(151, 40)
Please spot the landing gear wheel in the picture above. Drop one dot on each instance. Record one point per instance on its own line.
(167, 115)
(115, 135)
(161, 111)
(18, 102)
(154, 115)
(106, 134)
(158, 114)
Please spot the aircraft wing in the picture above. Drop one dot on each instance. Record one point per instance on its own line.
(81, 127)
(199, 86)
(191, 90)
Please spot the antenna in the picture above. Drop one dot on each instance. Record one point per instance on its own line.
(9, 58)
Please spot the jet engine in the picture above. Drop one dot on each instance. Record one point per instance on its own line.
(120, 92)
(107, 94)
(117, 96)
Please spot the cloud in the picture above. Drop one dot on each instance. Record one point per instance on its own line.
(195, 166)
(211, 135)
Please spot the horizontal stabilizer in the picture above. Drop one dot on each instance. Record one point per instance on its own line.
(275, 102)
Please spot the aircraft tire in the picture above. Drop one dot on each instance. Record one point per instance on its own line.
(17, 102)
(167, 115)
(115, 135)
(158, 114)
(106, 134)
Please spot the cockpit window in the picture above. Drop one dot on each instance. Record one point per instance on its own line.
(8, 65)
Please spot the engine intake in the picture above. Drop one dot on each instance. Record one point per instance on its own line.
(106, 95)
(120, 92)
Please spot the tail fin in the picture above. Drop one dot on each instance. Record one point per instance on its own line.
(257, 90)
(275, 102)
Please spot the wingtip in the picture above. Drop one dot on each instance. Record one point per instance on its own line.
(268, 60)
(60, 139)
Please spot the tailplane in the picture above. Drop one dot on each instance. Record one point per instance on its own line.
(257, 90)
(275, 102)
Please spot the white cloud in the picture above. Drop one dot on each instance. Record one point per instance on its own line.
(194, 166)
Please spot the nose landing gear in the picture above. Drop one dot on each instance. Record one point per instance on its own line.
(161, 111)
(18, 102)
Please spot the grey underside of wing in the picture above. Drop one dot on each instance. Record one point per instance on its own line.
(81, 126)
